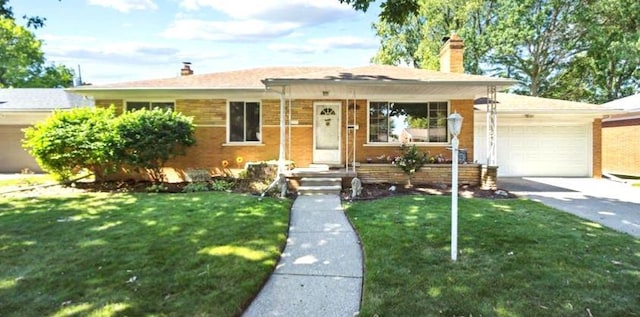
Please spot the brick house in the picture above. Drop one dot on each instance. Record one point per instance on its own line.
(336, 116)
(327, 115)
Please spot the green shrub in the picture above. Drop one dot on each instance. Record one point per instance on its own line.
(410, 160)
(69, 141)
(157, 188)
(149, 138)
(221, 185)
(196, 187)
(94, 139)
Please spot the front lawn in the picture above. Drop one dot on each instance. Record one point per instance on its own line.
(518, 258)
(18, 181)
(100, 254)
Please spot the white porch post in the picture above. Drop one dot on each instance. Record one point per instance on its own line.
(492, 127)
(281, 154)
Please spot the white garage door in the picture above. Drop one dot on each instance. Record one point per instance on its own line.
(541, 150)
(13, 158)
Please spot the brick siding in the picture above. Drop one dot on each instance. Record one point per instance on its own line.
(210, 116)
(621, 150)
(434, 174)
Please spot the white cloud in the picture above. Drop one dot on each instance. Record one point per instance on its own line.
(83, 48)
(318, 45)
(350, 42)
(125, 5)
(191, 29)
(301, 11)
(295, 48)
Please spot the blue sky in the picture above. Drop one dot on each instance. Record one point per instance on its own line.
(123, 40)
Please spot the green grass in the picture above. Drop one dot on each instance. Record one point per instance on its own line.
(518, 258)
(199, 254)
(27, 180)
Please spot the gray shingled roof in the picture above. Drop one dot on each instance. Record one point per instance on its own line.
(40, 99)
(254, 78)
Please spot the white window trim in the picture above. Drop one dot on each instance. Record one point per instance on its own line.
(228, 141)
(150, 101)
(386, 144)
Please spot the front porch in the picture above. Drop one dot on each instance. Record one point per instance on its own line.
(374, 173)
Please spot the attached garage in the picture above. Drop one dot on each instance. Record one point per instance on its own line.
(542, 150)
(21, 108)
(13, 158)
(542, 137)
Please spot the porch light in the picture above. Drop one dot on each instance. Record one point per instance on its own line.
(454, 122)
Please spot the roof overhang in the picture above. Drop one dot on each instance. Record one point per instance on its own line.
(371, 89)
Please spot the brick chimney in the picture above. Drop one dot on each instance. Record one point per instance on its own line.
(451, 55)
(186, 69)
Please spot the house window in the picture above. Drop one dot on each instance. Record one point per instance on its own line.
(415, 122)
(244, 121)
(150, 105)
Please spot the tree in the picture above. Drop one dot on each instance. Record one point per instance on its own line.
(610, 66)
(23, 62)
(18, 50)
(417, 40)
(394, 11)
(532, 40)
(584, 50)
(32, 21)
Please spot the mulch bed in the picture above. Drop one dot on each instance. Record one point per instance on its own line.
(369, 191)
(376, 191)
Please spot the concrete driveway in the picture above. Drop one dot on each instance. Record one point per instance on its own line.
(612, 204)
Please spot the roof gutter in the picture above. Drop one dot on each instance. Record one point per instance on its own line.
(503, 83)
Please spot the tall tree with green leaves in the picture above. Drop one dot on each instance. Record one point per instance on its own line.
(532, 40)
(32, 21)
(586, 50)
(609, 67)
(418, 38)
(23, 63)
(19, 50)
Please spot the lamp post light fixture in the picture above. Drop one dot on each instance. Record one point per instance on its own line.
(454, 122)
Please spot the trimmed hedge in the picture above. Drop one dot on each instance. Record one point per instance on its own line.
(96, 140)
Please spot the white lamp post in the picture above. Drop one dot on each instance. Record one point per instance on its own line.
(454, 122)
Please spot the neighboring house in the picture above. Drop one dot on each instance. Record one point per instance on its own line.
(621, 138)
(327, 115)
(21, 108)
(543, 137)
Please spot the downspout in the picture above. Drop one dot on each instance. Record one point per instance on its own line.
(280, 179)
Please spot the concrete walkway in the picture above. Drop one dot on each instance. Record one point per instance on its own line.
(320, 272)
(612, 204)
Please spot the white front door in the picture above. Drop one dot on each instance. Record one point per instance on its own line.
(326, 133)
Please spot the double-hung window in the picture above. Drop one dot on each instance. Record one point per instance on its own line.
(413, 122)
(150, 105)
(244, 121)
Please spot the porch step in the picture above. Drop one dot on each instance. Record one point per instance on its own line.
(320, 186)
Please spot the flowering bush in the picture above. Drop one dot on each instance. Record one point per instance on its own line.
(410, 160)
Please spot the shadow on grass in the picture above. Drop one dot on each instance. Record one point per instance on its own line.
(517, 258)
(137, 254)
